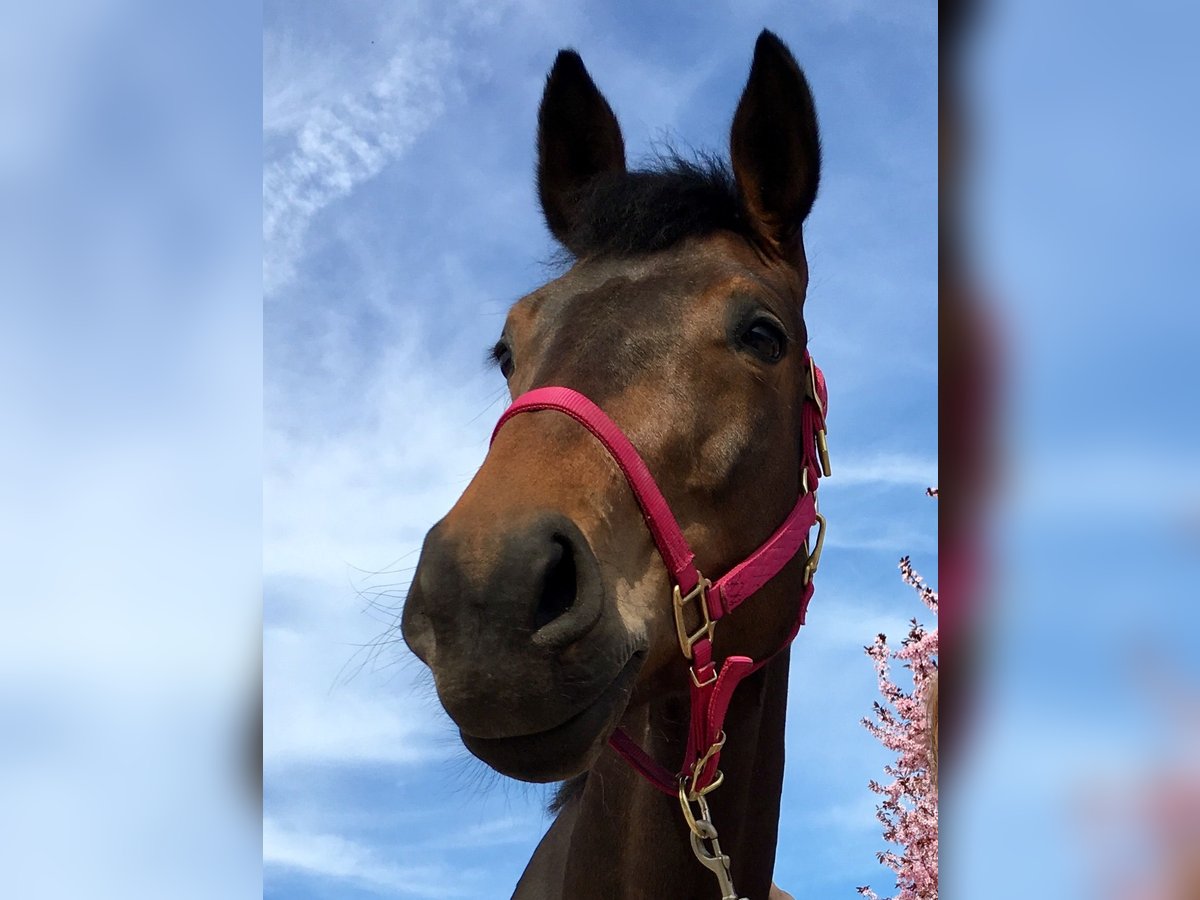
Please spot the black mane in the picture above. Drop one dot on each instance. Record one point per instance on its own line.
(633, 213)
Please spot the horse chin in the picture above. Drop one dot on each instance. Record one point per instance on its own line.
(568, 748)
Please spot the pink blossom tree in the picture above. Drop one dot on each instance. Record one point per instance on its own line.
(904, 725)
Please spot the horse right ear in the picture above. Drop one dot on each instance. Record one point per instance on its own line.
(775, 147)
(578, 139)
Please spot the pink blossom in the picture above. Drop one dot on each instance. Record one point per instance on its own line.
(909, 808)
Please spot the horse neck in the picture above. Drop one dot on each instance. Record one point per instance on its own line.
(630, 840)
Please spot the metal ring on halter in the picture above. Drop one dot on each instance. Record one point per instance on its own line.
(814, 558)
(702, 827)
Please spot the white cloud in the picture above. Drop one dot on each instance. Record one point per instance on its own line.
(333, 147)
(315, 714)
(498, 832)
(365, 495)
(335, 857)
(834, 624)
(344, 517)
(896, 469)
(892, 538)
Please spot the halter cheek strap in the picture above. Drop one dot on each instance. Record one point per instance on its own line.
(698, 603)
(668, 537)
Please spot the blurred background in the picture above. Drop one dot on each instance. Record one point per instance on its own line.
(130, 449)
(1071, 236)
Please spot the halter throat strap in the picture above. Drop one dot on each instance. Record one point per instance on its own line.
(698, 603)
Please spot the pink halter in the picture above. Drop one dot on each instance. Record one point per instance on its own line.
(711, 690)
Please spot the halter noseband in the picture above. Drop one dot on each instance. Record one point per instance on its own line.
(698, 599)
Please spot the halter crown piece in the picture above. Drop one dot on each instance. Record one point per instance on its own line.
(701, 602)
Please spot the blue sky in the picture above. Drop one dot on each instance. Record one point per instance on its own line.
(400, 221)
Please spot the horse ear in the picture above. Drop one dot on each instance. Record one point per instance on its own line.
(775, 146)
(578, 139)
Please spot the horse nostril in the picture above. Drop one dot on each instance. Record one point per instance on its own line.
(558, 584)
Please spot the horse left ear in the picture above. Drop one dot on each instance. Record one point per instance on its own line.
(775, 146)
(578, 139)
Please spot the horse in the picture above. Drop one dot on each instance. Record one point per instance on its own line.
(661, 381)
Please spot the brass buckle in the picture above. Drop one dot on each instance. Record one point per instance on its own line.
(701, 763)
(822, 443)
(688, 639)
(823, 452)
(812, 386)
(814, 558)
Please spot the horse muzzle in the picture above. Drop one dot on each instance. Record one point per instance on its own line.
(529, 657)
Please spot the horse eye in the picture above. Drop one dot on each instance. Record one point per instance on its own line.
(502, 354)
(765, 340)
